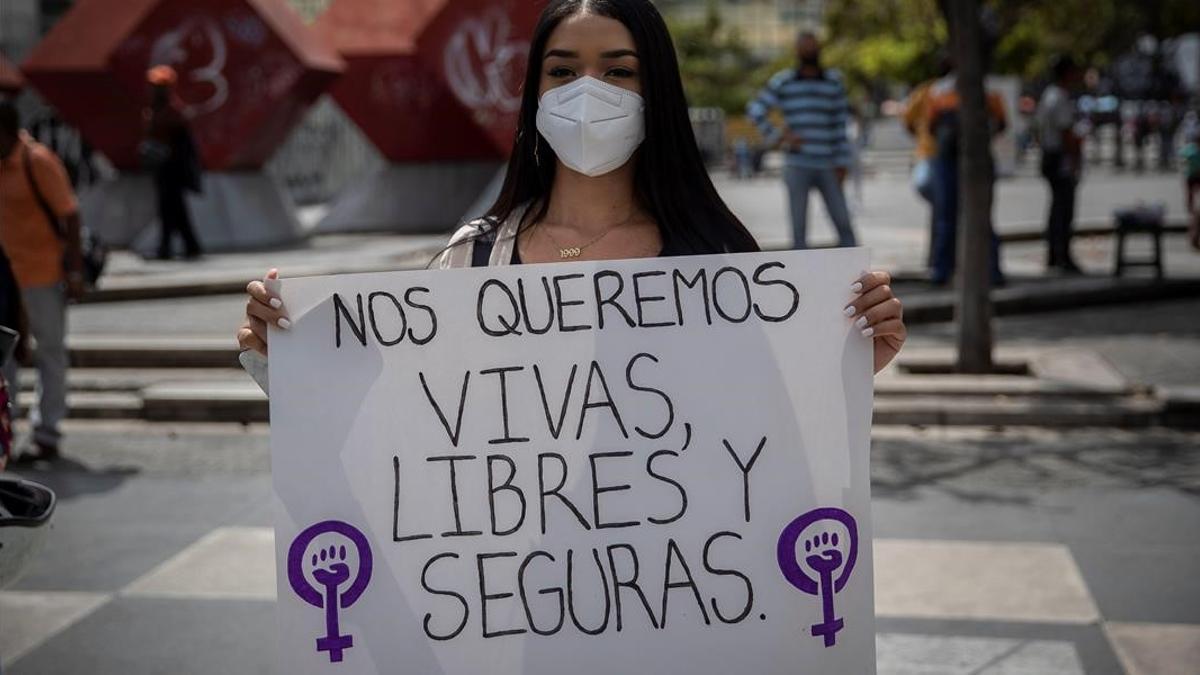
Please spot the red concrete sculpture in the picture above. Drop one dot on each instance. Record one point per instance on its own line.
(10, 78)
(248, 69)
(432, 80)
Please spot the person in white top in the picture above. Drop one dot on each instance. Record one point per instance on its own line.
(1062, 160)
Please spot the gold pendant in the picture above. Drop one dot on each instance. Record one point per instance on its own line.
(567, 253)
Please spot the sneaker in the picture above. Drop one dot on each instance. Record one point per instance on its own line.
(41, 453)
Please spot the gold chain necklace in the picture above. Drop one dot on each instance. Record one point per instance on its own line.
(571, 252)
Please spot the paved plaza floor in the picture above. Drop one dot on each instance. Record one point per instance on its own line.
(890, 219)
(1019, 551)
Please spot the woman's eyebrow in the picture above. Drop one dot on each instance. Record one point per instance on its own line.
(611, 54)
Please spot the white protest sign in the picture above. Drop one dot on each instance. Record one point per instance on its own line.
(654, 466)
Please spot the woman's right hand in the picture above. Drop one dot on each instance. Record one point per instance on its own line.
(262, 308)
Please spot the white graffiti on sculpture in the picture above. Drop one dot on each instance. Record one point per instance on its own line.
(479, 59)
(174, 49)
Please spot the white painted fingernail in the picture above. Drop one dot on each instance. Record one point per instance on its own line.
(857, 287)
(276, 303)
(868, 332)
(849, 311)
(285, 324)
(862, 322)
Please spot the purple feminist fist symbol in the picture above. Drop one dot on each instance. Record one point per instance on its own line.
(317, 572)
(830, 539)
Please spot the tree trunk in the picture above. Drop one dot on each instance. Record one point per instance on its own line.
(974, 308)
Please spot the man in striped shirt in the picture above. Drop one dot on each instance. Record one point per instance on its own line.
(815, 111)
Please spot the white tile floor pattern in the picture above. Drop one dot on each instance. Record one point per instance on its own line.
(980, 581)
(204, 569)
(917, 579)
(949, 655)
(29, 619)
(1155, 648)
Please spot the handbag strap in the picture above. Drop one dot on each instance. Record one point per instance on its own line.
(51, 217)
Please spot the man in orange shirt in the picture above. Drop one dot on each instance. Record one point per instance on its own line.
(47, 264)
(943, 122)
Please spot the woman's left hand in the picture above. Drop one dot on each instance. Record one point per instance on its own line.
(879, 315)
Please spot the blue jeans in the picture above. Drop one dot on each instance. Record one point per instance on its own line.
(945, 224)
(46, 309)
(800, 181)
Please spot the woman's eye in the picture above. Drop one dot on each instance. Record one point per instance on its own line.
(621, 73)
(561, 71)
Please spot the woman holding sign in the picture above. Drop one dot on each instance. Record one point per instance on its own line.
(605, 166)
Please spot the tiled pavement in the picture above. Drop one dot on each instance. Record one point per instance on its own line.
(1018, 553)
(217, 595)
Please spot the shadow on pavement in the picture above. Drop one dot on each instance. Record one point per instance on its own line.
(71, 479)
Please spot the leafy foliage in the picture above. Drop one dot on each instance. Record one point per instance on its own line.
(879, 41)
(894, 40)
(898, 40)
(718, 67)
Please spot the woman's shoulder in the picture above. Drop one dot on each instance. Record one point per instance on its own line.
(471, 244)
(459, 251)
(473, 230)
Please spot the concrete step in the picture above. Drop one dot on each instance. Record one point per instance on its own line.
(133, 380)
(229, 273)
(1129, 412)
(246, 404)
(1041, 387)
(205, 402)
(187, 401)
(1046, 296)
(1004, 402)
(122, 393)
(194, 403)
(126, 380)
(93, 405)
(1181, 406)
(990, 386)
(154, 352)
(1026, 370)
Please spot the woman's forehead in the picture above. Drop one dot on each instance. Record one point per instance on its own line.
(588, 33)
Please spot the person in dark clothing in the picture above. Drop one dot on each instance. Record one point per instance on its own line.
(1062, 161)
(169, 151)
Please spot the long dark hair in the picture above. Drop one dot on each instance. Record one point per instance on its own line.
(670, 179)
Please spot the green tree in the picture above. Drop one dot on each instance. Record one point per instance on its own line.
(718, 68)
(899, 40)
(1093, 31)
(893, 40)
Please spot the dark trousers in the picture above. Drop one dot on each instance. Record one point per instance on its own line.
(174, 218)
(1061, 219)
(945, 223)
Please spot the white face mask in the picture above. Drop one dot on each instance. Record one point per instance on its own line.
(592, 126)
